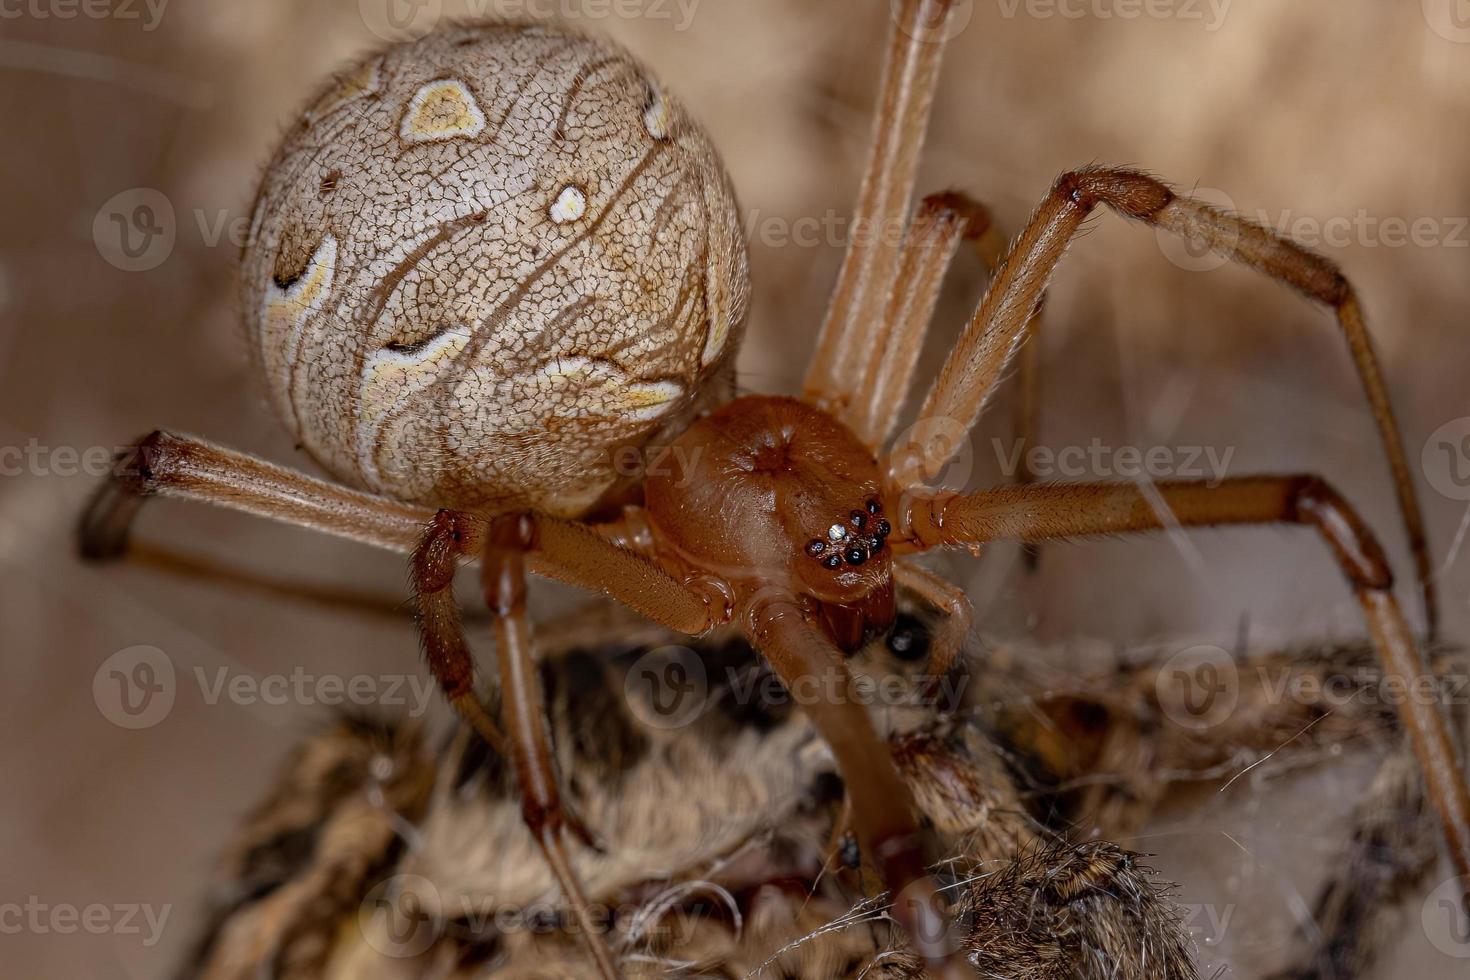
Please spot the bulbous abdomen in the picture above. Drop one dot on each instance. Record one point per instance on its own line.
(483, 261)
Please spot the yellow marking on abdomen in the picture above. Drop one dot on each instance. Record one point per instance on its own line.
(442, 110)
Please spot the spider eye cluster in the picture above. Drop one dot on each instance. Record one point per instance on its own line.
(854, 540)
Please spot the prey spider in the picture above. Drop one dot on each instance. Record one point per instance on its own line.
(487, 264)
(382, 852)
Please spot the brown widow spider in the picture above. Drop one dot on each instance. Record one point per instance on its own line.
(486, 263)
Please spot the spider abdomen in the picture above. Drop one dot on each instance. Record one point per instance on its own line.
(484, 261)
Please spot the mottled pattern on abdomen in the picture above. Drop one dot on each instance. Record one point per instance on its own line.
(483, 261)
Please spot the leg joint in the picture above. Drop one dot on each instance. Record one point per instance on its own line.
(920, 513)
(1316, 503)
(541, 816)
(514, 531)
(503, 568)
(436, 558)
(148, 462)
(1129, 192)
(952, 206)
(102, 532)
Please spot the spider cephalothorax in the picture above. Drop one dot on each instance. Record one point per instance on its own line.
(758, 484)
(487, 262)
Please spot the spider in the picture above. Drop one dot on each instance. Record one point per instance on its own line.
(488, 264)
(1024, 774)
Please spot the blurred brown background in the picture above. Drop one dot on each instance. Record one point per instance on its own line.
(1342, 119)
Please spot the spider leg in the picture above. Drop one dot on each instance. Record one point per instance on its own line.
(885, 373)
(1389, 853)
(195, 569)
(1391, 845)
(942, 221)
(523, 709)
(882, 806)
(451, 538)
(999, 326)
(1034, 905)
(1066, 911)
(940, 224)
(992, 247)
(165, 464)
(559, 549)
(1070, 510)
(1113, 739)
(959, 617)
(569, 552)
(910, 76)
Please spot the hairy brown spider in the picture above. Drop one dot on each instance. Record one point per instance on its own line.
(1025, 772)
(736, 886)
(486, 263)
